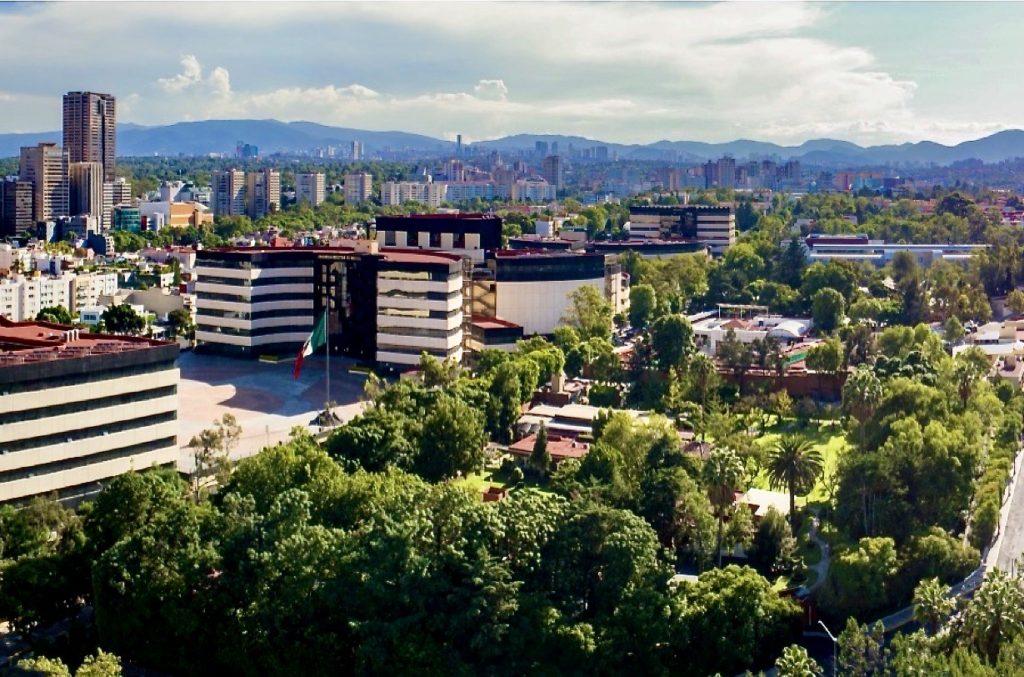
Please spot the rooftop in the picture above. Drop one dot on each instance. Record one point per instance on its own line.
(559, 447)
(31, 342)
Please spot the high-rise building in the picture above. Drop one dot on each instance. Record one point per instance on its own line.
(86, 189)
(358, 188)
(310, 188)
(458, 144)
(16, 208)
(553, 171)
(357, 150)
(228, 197)
(90, 129)
(262, 193)
(727, 172)
(46, 167)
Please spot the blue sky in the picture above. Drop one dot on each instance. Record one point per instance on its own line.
(635, 73)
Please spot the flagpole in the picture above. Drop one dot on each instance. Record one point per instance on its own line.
(327, 331)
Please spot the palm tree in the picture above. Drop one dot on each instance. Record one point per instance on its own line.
(723, 473)
(861, 394)
(794, 465)
(932, 606)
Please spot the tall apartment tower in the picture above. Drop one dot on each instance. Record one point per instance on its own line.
(85, 186)
(46, 167)
(727, 172)
(358, 188)
(262, 193)
(357, 150)
(311, 188)
(228, 193)
(553, 171)
(16, 207)
(90, 129)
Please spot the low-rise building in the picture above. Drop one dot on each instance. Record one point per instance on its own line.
(857, 247)
(77, 409)
(710, 328)
(714, 226)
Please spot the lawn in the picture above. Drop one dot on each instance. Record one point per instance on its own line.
(830, 440)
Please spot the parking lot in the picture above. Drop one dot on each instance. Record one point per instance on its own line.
(263, 397)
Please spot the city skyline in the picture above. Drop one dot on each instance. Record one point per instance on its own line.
(868, 73)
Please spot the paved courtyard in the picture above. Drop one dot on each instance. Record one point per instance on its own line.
(264, 398)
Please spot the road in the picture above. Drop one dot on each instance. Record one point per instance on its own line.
(263, 397)
(1010, 543)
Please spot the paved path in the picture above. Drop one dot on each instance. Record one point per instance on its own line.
(821, 568)
(263, 397)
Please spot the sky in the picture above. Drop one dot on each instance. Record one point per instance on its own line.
(867, 72)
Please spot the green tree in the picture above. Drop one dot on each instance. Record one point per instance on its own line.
(588, 313)
(121, 319)
(723, 475)
(211, 452)
(452, 441)
(773, 547)
(56, 315)
(826, 357)
(953, 330)
(672, 340)
(1015, 301)
(642, 304)
(996, 615)
(795, 465)
(181, 324)
(540, 458)
(796, 662)
(828, 308)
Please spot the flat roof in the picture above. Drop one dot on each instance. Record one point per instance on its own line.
(398, 255)
(27, 342)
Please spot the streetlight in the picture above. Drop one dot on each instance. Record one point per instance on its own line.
(835, 648)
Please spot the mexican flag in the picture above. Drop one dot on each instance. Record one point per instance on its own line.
(315, 340)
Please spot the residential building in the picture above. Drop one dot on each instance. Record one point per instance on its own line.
(399, 192)
(310, 188)
(87, 288)
(16, 213)
(358, 188)
(262, 193)
(526, 190)
(465, 191)
(468, 234)
(228, 193)
(385, 306)
(78, 409)
(356, 150)
(23, 296)
(90, 130)
(553, 171)
(85, 183)
(45, 166)
(715, 226)
(710, 328)
(121, 191)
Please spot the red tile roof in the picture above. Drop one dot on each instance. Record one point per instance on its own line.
(559, 447)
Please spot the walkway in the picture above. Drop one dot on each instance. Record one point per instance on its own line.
(821, 568)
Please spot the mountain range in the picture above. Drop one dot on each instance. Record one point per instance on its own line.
(273, 136)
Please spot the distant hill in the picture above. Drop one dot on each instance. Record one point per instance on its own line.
(220, 136)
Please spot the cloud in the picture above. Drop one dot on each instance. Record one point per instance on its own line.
(191, 74)
(491, 89)
(629, 72)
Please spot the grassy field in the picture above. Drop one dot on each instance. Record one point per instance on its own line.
(827, 439)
